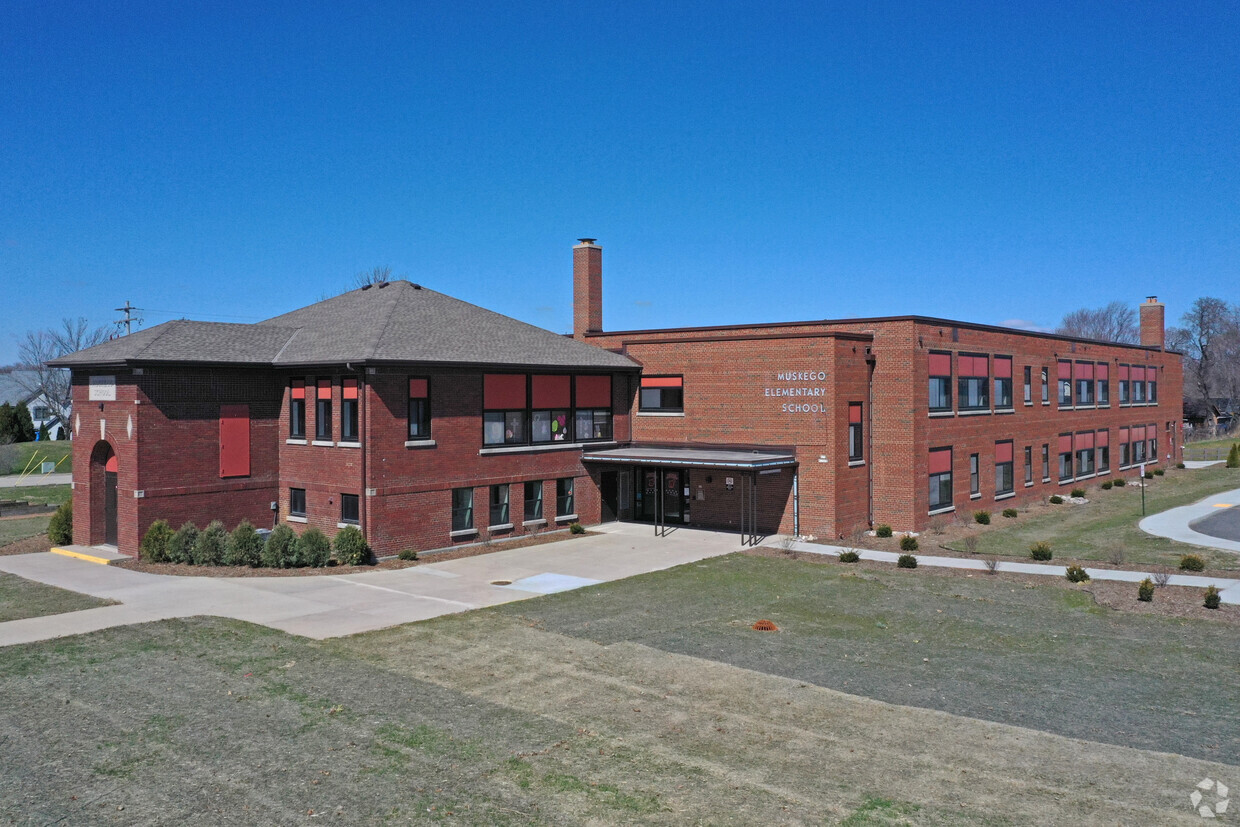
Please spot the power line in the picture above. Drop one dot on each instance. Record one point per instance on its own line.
(129, 319)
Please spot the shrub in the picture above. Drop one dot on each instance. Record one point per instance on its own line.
(245, 546)
(576, 528)
(154, 548)
(1162, 578)
(1149, 475)
(1115, 555)
(1056, 499)
(849, 556)
(1192, 562)
(1180, 465)
(408, 554)
(1120, 482)
(351, 548)
(907, 561)
(313, 549)
(1158, 472)
(1106, 486)
(60, 526)
(991, 564)
(281, 549)
(181, 546)
(211, 545)
(970, 543)
(1212, 599)
(1145, 591)
(1078, 493)
(1076, 574)
(882, 531)
(981, 517)
(1233, 456)
(1040, 551)
(908, 543)
(1010, 513)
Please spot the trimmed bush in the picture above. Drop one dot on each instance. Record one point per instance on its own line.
(1040, 551)
(154, 547)
(1120, 482)
(351, 548)
(849, 556)
(1076, 574)
(181, 546)
(1078, 493)
(1192, 562)
(882, 531)
(576, 528)
(1212, 598)
(245, 547)
(1145, 591)
(1180, 465)
(1010, 513)
(211, 545)
(313, 549)
(408, 554)
(281, 549)
(907, 561)
(1149, 475)
(1056, 499)
(981, 517)
(908, 543)
(1158, 472)
(60, 526)
(1106, 486)
(1233, 456)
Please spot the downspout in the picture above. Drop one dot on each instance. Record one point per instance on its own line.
(869, 436)
(796, 502)
(364, 431)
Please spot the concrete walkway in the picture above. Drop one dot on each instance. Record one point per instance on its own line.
(1177, 523)
(19, 481)
(323, 606)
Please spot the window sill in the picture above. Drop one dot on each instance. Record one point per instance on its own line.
(660, 413)
(420, 443)
(567, 518)
(1045, 480)
(1028, 404)
(530, 523)
(985, 412)
(855, 463)
(1046, 404)
(292, 518)
(324, 443)
(1005, 411)
(553, 446)
(945, 510)
(1029, 485)
(1009, 495)
(491, 529)
(464, 532)
(977, 496)
(295, 441)
(941, 414)
(348, 445)
(346, 524)
(1086, 477)
(1068, 481)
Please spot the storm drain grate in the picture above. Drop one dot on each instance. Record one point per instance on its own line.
(765, 626)
(501, 582)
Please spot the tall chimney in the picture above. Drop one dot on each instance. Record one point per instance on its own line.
(1152, 323)
(588, 288)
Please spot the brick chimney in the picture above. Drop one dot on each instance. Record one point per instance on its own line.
(588, 288)
(1152, 323)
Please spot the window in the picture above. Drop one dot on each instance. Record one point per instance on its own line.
(1151, 384)
(1003, 382)
(348, 411)
(940, 468)
(533, 500)
(1028, 386)
(1084, 383)
(856, 448)
(940, 381)
(1125, 449)
(975, 481)
(419, 408)
(662, 394)
(564, 504)
(1065, 457)
(551, 399)
(593, 395)
(1103, 451)
(1101, 374)
(1065, 384)
(323, 410)
(1137, 373)
(1046, 387)
(297, 409)
(1028, 465)
(1004, 478)
(1046, 462)
(974, 379)
(297, 502)
(503, 401)
(1084, 445)
(1151, 433)
(234, 441)
(40, 412)
(499, 506)
(1137, 435)
(1124, 397)
(348, 509)
(462, 509)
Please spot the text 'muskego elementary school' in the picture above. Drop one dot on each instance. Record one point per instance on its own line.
(429, 422)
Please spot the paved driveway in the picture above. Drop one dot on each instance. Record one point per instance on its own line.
(331, 606)
(1184, 524)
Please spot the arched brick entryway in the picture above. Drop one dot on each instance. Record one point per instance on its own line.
(103, 504)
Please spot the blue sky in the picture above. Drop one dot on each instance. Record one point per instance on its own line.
(755, 162)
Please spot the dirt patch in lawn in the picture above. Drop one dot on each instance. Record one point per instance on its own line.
(28, 545)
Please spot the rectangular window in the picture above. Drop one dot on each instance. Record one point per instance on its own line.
(323, 409)
(1137, 435)
(1124, 397)
(1151, 434)
(940, 381)
(503, 402)
(40, 413)
(297, 502)
(662, 394)
(1084, 383)
(1137, 373)
(1065, 384)
(1084, 446)
(1004, 476)
(1101, 376)
(1102, 450)
(533, 500)
(1028, 465)
(551, 401)
(1065, 457)
(1028, 386)
(1125, 449)
(973, 385)
(419, 408)
(349, 509)
(975, 477)
(348, 411)
(564, 504)
(1151, 384)
(499, 505)
(940, 469)
(1046, 462)
(1003, 382)
(1046, 387)
(462, 509)
(234, 441)
(593, 417)
(856, 448)
(297, 409)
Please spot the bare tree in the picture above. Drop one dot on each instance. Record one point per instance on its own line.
(375, 275)
(40, 347)
(1210, 338)
(1117, 322)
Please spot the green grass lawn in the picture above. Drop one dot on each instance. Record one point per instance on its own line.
(21, 598)
(19, 528)
(54, 494)
(1109, 521)
(1209, 448)
(23, 456)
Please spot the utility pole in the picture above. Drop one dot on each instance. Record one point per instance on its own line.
(130, 318)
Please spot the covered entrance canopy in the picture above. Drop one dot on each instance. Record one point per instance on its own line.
(663, 503)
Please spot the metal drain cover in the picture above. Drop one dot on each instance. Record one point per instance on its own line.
(501, 582)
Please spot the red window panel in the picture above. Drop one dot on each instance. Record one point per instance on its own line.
(325, 389)
(1138, 433)
(1138, 373)
(1065, 370)
(1123, 435)
(349, 389)
(854, 412)
(417, 389)
(1084, 370)
(595, 391)
(551, 392)
(940, 461)
(662, 381)
(299, 388)
(1003, 452)
(1003, 367)
(1102, 439)
(1123, 373)
(1065, 443)
(1102, 371)
(940, 364)
(234, 440)
(974, 366)
(111, 465)
(1084, 441)
(503, 391)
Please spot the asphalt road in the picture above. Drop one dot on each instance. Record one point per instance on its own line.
(1225, 524)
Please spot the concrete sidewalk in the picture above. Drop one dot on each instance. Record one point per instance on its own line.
(32, 480)
(323, 606)
(1176, 523)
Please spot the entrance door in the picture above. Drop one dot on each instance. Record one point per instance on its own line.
(660, 495)
(109, 507)
(610, 494)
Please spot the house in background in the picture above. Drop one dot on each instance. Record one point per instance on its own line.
(14, 389)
